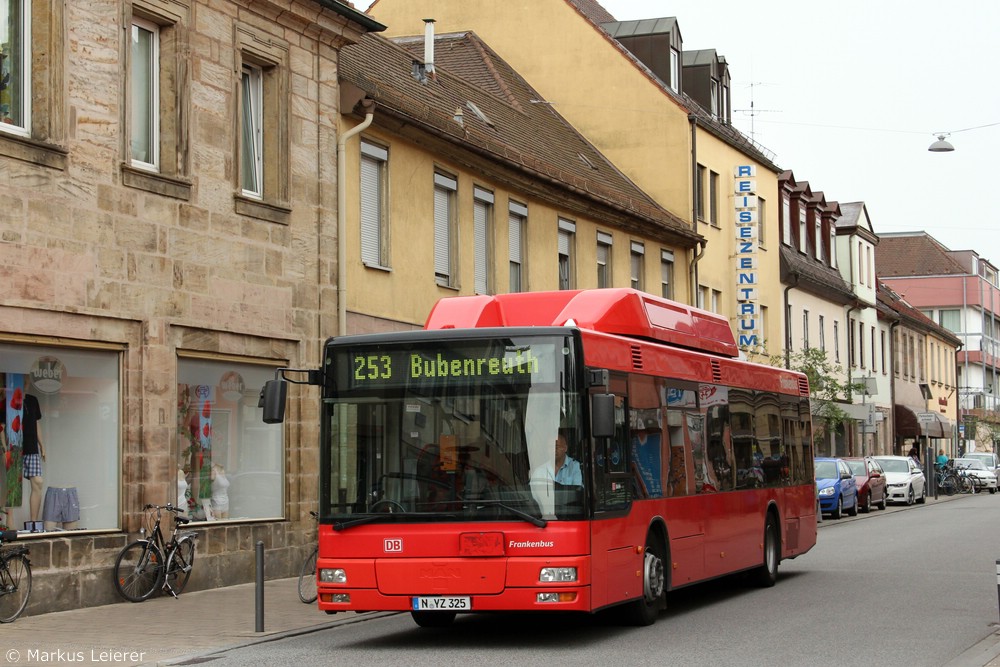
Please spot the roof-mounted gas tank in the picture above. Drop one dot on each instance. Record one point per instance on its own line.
(621, 311)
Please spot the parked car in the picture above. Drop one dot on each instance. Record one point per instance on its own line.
(838, 492)
(982, 477)
(904, 478)
(991, 460)
(870, 478)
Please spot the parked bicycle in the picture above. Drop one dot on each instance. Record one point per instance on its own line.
(151, 564)
(15, 578)
(951, 481)
(307, 576)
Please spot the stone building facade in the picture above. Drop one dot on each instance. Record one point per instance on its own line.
(167, 240)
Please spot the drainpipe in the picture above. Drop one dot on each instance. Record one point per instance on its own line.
(788, 324)
(892, 384)
(850, 379)
(693, 270)
(369, 107)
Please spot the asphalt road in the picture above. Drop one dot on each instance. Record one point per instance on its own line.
(909, 587)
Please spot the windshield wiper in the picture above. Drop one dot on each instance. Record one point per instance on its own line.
(371, 518)
(521, 514)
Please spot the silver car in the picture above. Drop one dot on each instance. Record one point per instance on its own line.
(983, 478)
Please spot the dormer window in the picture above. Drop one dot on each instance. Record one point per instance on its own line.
(675, 70)
(803, 231)
(819, 236)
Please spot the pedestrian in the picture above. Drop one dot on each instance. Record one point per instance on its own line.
(914, 454)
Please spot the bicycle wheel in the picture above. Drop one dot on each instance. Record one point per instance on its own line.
(179, 565)
(966, 484)
(139, 571)
(15, 587)
(949, 485)
(307, 578)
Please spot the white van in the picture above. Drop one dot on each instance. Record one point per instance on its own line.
(991, 460)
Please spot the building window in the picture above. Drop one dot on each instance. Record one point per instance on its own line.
(805, 329)
(699, 192)
(567, 237)
(822, 333)
(252, 133)
(73, 392)
(851, 358)
(874, 355)
(374, 191)
(803, 231)
(264, 133)
(897, 354)
(950, 319)
(604, 259)
(667, 274)
(713, 198)
(637, 265)
(516, 218)
(833, 244)
(761, 222)
(716, 301)
(861, 265)
(836, 341)
(145, 73)
(482, 240)
(869, 265)
(675, 70)
(15, 67)
(883, 351)
(227, 467)
(861, 343)
(818, 250)
(786, 220)
(702, 297)
(445, 187)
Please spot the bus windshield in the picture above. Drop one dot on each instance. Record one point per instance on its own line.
(452, 430)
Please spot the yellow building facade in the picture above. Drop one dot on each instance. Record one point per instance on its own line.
(653, 134)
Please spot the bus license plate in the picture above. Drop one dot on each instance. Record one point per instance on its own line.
(441, 604)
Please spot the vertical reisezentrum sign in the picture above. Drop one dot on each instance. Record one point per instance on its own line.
(748, 332)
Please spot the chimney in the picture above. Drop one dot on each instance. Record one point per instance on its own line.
(429, 47)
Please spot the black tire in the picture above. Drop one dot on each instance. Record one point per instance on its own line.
(307, 578)
(644, 611)
(433, 619)
(767, 574)
(839, 512)
(179, 566)
(884, 502)
(992, 491)
(949, 485)
(139, 571)
(15, 587)
(867, 507)
(854, 508)
(909, 495)
(923, 496)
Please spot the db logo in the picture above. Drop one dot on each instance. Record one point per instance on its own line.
(393, 545)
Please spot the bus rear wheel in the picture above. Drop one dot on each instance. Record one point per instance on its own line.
(654, 583)
(433, 619)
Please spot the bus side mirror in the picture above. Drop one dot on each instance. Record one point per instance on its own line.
(272, 399)
(602, 415)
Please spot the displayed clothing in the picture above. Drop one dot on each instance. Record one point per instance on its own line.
(220, 491)
(62, 505)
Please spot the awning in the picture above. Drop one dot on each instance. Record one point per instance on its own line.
(912, 424)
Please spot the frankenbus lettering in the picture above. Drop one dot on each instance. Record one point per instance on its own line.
(538, 544)
(522, 363)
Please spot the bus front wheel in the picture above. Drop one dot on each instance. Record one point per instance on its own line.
(654, 583)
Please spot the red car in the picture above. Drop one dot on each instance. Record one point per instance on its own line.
(871, 482)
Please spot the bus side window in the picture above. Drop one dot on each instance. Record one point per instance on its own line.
(612, 462)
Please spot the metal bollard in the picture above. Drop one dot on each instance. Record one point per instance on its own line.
(259, 597)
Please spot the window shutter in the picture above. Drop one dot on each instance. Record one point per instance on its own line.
(370, 218)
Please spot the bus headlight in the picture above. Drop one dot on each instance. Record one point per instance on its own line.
(334, 575)
(557, 574)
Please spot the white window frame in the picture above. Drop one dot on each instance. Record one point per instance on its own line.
(482, 240)
(605, 244)
(373, 191)
(445, 189)
(517, 216)
(565, 267)
(151, 101)
(24, 61)
(667, 274)
(252, 93)
(786, 220)
(803, 231)
(637, 265)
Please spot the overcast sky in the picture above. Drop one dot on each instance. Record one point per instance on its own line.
(848, 94)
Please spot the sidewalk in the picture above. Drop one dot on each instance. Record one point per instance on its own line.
(162, 630)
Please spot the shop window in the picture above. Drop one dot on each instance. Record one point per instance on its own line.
(229, 466)
(68, 400)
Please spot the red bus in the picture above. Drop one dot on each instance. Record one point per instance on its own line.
(565, 451)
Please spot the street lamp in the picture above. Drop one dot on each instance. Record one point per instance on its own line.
(941, 146)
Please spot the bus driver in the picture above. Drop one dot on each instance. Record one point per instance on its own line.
(564, 469)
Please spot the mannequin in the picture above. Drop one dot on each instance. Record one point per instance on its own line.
(220, 492)
(182, 487)
(34, 452)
